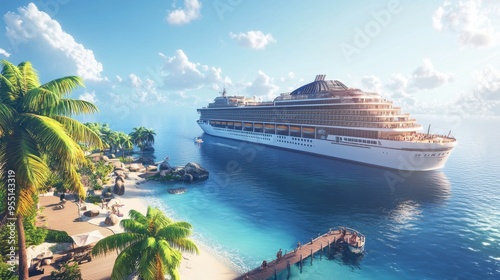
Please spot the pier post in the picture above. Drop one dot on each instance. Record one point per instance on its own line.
(288, 268)
(312, 256)
(275, 274)
(301, 263)
(321, 252)
(329, 246)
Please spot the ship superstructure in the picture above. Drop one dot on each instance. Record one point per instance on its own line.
(327, 118)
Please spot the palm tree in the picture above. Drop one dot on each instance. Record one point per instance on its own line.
(125, 142)
(143, 137)
(150, 246)
(36, 127)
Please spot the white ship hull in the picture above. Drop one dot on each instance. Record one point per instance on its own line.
(400, 155)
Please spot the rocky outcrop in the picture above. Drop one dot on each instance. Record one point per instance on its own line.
(147, 160)
(111, 220)
(134, 167)
(119, 187)
(189, 173)
(165, 165)
(196, 171)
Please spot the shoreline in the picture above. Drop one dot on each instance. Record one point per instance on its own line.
(206, 265)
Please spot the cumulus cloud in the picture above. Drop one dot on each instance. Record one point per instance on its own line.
(371, 84)
(483, 100)
(470, 19)
(426, 77)
(4, 52)
(253, 39)
(177, 72)
(89, 97)
(263, 86)
(186, 15)
(32, 25)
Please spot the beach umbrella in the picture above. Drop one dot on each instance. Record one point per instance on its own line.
(87, 238)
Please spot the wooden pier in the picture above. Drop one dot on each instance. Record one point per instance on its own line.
(309, 249)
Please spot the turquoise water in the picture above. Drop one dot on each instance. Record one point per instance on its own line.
(419, 225)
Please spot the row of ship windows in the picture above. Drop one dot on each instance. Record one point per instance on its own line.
(295, 139)
(358, 140)
(296, 143)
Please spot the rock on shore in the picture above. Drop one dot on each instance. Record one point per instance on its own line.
(189, 173)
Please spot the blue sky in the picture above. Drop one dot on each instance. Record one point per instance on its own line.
(440, 57)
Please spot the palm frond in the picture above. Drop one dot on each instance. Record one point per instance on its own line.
(7, 90)
(5, 118)
(79, 132)
(172, 232)
(30, 77)
(22, 156)
(185, 245)
(52, 137)
(13, 75)
(68, 107)
(126, 262)
(148, 265)
(39, 100)
(133, 226)
(119, 241)
(64, 86)
(137, 216)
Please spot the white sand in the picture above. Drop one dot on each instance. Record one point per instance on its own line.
(202, 266)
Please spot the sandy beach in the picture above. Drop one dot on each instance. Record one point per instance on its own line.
(202, 266)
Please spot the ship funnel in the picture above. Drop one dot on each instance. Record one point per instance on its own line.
(320, 78)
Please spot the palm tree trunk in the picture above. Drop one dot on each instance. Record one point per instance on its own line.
(23, 256)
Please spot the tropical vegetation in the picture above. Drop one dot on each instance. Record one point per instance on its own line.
(38, 136)
(151, 246)
(115, 141)
(144, 138)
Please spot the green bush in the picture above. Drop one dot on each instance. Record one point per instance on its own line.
(6, 273)
(58, 236)
(67, 272)
(34, 235)
(93, 199)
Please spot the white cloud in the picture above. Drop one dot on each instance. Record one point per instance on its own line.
(483, 100)
(371, 84)
(89, 97)
(4, 52)
(253, 39)
(471, 19)
(32, 25)
(186, 15)
(426, 77)
(178, 73)
(263, 86)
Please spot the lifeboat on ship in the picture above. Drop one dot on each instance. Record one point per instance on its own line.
(281, 127)
(269, 126)
(258, 125)
(230, 123)
(294, 128)
(308, 129)
(237, 124)
(248, 125)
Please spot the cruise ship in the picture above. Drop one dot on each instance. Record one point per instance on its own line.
(327, 118)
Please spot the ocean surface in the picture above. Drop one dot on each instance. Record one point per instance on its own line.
(441, 224)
